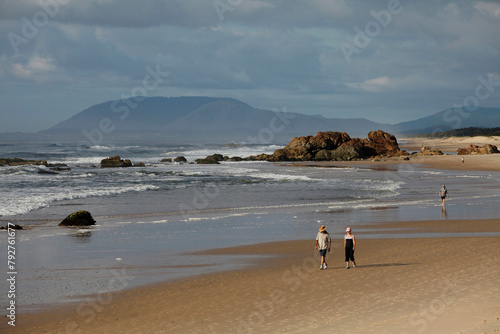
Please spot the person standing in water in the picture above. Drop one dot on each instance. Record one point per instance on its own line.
(349, 246)
(443, 193)
(324, 242)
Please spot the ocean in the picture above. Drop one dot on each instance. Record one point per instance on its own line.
(149, 218)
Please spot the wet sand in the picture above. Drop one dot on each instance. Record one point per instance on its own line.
(415, 285)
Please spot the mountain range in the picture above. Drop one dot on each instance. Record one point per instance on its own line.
(219, 120)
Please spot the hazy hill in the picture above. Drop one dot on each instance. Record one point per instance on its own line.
(219, 120)
(195, 119)
(465, 132)
(451, 119)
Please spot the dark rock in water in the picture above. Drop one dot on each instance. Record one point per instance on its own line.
(180, 159)
(115, 161)
(236, 159)
(211, 159)
(336, 146)
(18, 162)
(231, 145)
(166, 160)
(139, 164)
(46, 171)
(79, 218)
(58, 166)
(12, 227)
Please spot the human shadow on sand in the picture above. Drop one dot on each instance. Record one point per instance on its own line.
(383, 265)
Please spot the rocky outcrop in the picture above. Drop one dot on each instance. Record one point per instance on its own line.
(12, 227)
(115, 161)
(338, 146)
(18, 162)
(180, 159)
(166, 160)
(79, 218)
(211, 159)
(427, 151)
(474, 149)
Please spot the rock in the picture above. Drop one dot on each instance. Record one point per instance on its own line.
(58, 166)
(383, 143)
(115, 161)
(474, 149)
(338, 146)
(166, 160)
(139, 164)
(12, 227)
(79, 218)
(231, 145)
(18, 162)
(211, 159)
(425, 151)
(236, 159)
(46, 171)
(180, 159)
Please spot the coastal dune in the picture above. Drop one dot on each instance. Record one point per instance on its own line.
(406, 285)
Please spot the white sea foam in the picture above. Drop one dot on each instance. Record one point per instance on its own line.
(20, 202)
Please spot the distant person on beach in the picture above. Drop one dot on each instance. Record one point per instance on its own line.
(443, 193)
(349, 245)
(463, 160)
(324, 243)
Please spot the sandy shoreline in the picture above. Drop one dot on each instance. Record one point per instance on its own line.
(450, 144)
(430, 285)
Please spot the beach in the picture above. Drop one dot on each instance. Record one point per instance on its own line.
(401, 285)
(247, 264)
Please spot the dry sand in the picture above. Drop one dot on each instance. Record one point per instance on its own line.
(426, 285)
(450, 144)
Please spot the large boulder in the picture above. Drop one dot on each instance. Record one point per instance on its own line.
(383, 143)
(79, 218)
(474, 149)
(115, 161)
(338, 146)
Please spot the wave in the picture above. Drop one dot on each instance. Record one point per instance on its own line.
(20, 202)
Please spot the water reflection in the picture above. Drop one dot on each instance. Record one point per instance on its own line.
(81, 235)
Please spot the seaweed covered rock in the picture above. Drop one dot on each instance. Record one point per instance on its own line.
(115, 161)
(180, 159)
(211, 159)
(79, 218)
(19, 162)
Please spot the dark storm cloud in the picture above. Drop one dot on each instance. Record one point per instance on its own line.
(404, 59)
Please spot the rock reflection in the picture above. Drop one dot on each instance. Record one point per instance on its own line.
(82, 235)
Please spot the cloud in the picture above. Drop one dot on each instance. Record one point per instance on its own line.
(266, 53)
(489, 9)
(37, 69)
(374, 85)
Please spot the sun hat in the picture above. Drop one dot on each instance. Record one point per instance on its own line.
(348, 229)
(322, 228)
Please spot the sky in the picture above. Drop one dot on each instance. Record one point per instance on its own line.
(386, 61)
